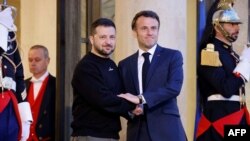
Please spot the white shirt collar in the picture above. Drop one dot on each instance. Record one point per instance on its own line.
(151, 51)
(33, 79)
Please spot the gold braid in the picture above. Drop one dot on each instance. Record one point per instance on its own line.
(12, 63)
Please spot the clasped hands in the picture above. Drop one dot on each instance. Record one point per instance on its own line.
(134, 99)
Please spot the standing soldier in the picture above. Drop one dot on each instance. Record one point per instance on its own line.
(222, 75)
(15, 113)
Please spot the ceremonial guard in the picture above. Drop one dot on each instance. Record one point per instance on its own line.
(15, 113)
(222, 75)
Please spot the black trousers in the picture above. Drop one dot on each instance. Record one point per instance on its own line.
(143, 134)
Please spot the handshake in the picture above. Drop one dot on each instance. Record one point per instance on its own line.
(136, 100)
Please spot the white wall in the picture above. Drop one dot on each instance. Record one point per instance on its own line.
(38, 26)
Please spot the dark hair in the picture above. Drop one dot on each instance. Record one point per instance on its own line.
(145, 13)
(101, 22)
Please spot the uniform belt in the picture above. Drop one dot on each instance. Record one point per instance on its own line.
(220, 97)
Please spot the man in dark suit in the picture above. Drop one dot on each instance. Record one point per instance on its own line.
(155, 89)
(41, 89)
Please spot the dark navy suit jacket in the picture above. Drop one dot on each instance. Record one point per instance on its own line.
(163, 85)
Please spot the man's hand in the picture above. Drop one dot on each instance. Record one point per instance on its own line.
(243, 67)
(138, 110)
(26, 119)
(25, 131)
(245, 55)
(132, 98)
(6, 25)
(6, 19)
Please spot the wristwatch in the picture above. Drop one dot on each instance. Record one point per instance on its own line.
(141, 101)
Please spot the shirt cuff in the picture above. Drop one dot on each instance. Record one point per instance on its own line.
(142, 98)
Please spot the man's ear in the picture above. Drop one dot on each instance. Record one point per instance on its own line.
(134, 33)
(48, 60)
(216, 28)
(91, 38)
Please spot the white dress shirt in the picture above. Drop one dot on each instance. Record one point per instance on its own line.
(140, 63)
(37, 83)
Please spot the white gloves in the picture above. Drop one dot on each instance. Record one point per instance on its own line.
(25, 131)
(243, 67)
(245, 53)
(3, 37)
(6, 19)
(26, 119)
(6, 25)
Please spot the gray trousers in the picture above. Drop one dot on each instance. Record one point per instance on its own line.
(89, 138)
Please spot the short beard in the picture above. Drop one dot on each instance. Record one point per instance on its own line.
(232, 38)
(103, 53)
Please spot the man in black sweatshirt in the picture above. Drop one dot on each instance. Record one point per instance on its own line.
(96, 84)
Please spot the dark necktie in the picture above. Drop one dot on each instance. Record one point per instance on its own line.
(145, 67)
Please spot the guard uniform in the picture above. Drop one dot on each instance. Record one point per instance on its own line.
(222, 75)
(12, 90)
(15, 113)
(220, 90)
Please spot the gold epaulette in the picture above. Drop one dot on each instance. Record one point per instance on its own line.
(209, 57)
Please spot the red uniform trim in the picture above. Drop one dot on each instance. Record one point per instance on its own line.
(232, 119)
(247, 115)
(15, 103)
(4, 101)
(203, 125)
(237, 74)
(35, 108)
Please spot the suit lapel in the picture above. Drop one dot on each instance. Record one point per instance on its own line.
(154, 64)
(134, 71)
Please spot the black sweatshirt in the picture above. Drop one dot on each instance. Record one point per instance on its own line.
(96, 108)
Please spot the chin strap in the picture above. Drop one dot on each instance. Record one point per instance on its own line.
(224, 32)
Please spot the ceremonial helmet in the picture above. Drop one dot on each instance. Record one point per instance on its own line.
(226, 16)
